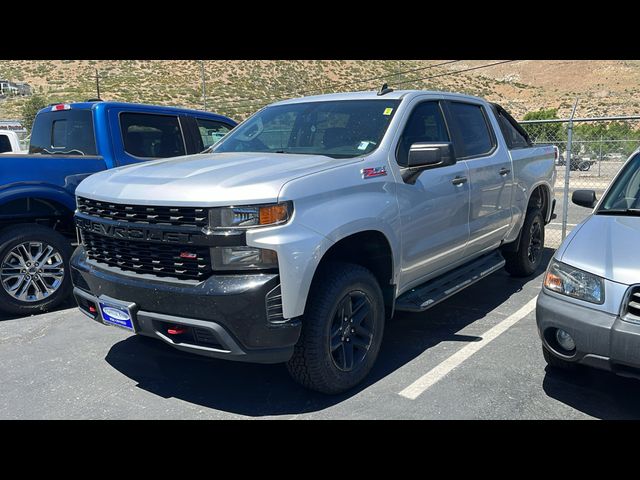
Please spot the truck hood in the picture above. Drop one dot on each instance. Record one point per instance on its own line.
(606, 246)
(205, 180)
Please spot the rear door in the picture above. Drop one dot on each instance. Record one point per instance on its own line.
(490, 173)
(140, 136)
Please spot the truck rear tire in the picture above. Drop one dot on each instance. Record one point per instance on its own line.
(342, 330)
(34, 269)
(526, 259)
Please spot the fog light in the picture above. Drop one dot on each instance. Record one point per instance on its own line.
(565, 340)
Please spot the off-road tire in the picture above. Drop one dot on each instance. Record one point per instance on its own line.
(312, 364)
(518, 263)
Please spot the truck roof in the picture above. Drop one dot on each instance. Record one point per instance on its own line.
(97, 105)
(372, 95)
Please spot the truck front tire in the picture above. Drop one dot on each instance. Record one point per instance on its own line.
(342, 329)
(526, 259)
(34, 269)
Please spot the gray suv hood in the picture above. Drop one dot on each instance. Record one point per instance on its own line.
(213, 179)
(606, 246)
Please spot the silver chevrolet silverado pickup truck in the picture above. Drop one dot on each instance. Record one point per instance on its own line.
(301, 232)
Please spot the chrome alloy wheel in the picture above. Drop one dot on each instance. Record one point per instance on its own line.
(32, 271)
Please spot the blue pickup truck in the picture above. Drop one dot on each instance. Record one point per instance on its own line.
(68, 143)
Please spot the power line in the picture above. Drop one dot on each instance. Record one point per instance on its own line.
(456, 72)
(262, 104)
(249, 102)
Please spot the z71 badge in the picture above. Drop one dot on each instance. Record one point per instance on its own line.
(374, 172)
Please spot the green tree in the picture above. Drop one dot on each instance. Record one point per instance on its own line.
(30, 108)
(546, 132)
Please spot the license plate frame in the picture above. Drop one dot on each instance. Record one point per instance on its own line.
(117, 313)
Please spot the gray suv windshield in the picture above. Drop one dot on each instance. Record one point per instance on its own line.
(624, 195)
(338, 129)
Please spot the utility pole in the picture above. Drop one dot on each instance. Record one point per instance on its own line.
(204, 93)
(97, 83)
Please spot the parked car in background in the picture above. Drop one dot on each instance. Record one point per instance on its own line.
(10, 142)
(588, 311)
(305, 228)
(68, 143)
(577, 163)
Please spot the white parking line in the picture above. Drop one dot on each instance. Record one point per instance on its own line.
(432, 376)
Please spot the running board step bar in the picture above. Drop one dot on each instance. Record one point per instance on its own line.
(435, 291)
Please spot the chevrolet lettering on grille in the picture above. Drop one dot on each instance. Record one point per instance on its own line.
(134, 233)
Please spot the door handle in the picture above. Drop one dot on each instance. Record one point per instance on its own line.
(504, 171)
(459, 180)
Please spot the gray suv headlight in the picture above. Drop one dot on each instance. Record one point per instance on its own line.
(573, 282)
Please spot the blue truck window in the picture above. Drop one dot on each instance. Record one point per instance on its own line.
(66, 131)
(211, 131)
(151, 136)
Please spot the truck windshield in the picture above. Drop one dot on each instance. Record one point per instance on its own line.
(68, 132)
(624, 195)
(338, 129)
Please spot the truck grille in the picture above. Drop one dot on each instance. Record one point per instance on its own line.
(633, 307)
(178, 216)
(185, 263)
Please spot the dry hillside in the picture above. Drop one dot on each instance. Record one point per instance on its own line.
(237, 88)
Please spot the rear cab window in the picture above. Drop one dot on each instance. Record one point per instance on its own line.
(5, 144)
(68, 132)
(147, 135)
(514, 134)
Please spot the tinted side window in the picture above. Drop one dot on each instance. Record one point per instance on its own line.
(472, 128)
(426, 124)
(151, 136)
(65, 131)
(211, 131)
(5, 144)
(513, 136)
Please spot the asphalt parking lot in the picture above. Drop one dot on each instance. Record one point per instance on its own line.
(475, 356)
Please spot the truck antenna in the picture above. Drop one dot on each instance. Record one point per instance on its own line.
(384, 89)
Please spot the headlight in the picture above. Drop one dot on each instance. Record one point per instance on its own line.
(570, 281)
(243, 258)
(250, 216)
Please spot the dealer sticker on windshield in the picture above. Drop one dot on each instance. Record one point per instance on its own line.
(387, 111)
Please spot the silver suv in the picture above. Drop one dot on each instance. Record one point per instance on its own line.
(588, 311)
(301, 232)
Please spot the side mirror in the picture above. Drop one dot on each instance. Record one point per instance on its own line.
(584, 198)
(430, 155)
(427, 155)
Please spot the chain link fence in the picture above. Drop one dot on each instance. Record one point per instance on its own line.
(599, 148)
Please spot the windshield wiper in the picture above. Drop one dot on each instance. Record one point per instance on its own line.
(632, 212)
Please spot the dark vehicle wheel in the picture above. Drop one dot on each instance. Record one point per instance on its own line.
(34, 269)
(526, 259)
(555, 362)
(584, 166)
(341, 330)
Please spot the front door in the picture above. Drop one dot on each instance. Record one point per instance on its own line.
(434, 212)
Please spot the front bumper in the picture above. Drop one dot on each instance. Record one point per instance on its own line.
(225, 316)
(603, 340)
